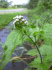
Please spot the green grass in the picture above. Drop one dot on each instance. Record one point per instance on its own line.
(5, 19)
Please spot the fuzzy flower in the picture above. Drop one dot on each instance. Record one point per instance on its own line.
(23, 19)
(16, 17)
(20, 17)
(15, 21)
(25, 22)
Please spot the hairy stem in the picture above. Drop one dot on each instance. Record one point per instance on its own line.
(35, 43)
(39, 53)
(38, 50)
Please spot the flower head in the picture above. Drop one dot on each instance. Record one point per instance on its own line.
(18, 20)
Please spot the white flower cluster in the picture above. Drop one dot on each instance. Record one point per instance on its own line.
(19, 19)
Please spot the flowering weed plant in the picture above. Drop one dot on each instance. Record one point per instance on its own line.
(32, 34)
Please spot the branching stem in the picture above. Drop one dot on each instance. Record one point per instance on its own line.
(35, 43)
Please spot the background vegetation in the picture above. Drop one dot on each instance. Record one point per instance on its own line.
(42, 13)
(34, 3)
(4, 4)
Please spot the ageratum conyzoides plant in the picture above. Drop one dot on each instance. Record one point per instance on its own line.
(32, 34)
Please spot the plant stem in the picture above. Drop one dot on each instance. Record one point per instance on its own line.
(38, 51)
(35, 43)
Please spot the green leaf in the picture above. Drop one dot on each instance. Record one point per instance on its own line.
(48, 58)
(15, 38)
(2, 45)
(1, 54)
(42, 66)
(47, 63)
(46, 50)
(47, 35)
(41, 33)
(35, 33)
(35, 63)
(32, 26)
(30, 32)
(33, 52)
